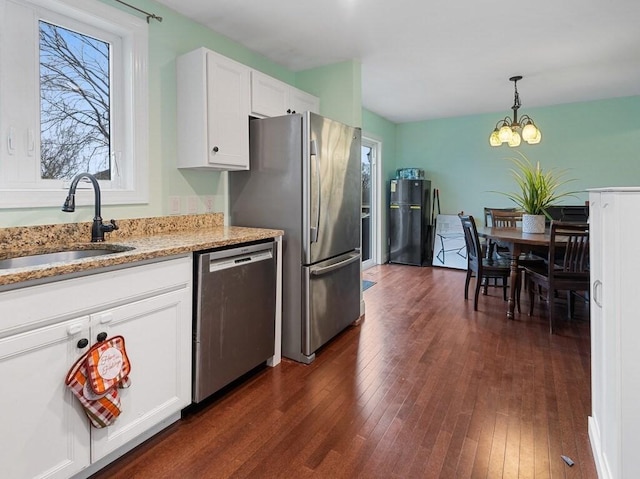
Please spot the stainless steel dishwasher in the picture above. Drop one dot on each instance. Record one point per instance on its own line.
(234, 318)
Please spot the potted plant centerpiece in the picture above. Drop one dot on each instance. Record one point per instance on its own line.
(538, 191)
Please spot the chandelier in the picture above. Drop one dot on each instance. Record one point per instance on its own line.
(513, 131)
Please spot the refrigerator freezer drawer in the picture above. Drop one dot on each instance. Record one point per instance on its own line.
(332, 299)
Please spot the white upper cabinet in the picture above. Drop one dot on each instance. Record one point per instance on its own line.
(213, 111)
(271, 97)
(303, 101)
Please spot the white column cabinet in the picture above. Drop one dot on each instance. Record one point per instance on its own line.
(45, 430)
(272, 97)
(213, 94)
(614, 425)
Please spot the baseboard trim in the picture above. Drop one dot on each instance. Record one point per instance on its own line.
(596, 449)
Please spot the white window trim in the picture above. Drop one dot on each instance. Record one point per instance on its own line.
(135, 144)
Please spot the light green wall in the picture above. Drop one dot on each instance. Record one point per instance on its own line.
(168, 39)
(380, 129)
(339, 87)
(597, 142)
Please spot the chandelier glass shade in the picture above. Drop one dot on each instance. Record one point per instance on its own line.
(513, 130)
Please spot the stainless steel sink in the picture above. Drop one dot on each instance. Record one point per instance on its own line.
(59, 256)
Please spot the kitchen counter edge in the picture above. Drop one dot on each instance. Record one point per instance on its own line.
(143, 248)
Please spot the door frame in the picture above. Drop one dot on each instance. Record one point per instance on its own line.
(376, 199)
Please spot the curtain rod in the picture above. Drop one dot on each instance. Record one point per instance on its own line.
(149, 15)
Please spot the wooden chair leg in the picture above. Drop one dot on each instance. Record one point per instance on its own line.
(551, 307)
(518, 289)
(571, 303)
(532, 298)
(466, 284)
(477, 293)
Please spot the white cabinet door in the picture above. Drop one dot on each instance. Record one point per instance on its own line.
(213, 111)
(272, 97)
(614, 425)
(45, 432)
(157, 337)
(269, 97)
(228, 112)
(303, 101)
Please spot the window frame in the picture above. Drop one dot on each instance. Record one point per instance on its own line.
(129, 103)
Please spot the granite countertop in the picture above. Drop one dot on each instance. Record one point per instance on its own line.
(145, 239)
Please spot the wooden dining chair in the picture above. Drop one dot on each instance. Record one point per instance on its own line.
(511, 218)
(505, 218)
(480, 266)
(568, 213)
(500, 218)
(567, 267)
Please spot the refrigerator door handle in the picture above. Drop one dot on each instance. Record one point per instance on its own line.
(335, 266)
(314, 229)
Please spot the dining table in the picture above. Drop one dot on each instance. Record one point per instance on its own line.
(518, 243)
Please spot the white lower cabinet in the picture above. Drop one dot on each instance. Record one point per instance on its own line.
(45, 430)
(155, 333)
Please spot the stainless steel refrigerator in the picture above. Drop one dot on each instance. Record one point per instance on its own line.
(409, 228)
(305, 178)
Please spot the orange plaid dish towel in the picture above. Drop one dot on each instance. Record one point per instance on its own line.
(95, 378)
(107, 364)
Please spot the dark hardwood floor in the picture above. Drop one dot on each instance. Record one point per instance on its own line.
(424, 387)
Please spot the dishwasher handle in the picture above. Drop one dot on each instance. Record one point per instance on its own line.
(217, 260)
(239, 260)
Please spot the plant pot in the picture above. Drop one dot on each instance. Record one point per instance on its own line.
(532, 223)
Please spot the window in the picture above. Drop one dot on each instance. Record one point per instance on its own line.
(73, 90)
(75, 112)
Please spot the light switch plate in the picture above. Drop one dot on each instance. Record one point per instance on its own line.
(208, 203)
(175, 205)
(192, 205)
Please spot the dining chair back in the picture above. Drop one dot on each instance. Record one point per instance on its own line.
(505, 219)
(568, 213)
(567, 267)
(501, 218)
(478, 265)
(488, 214)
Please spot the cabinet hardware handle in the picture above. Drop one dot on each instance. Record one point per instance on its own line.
(215, 149)
(597, 289)
(101, 337)
(11, 147)
(31, 142)
(74, 329)
(83, 343)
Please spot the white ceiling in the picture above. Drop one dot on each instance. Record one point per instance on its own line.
(423, 59)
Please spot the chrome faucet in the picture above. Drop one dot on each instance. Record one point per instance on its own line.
(99, 228)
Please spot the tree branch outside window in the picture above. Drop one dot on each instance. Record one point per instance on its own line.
(74, 104)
